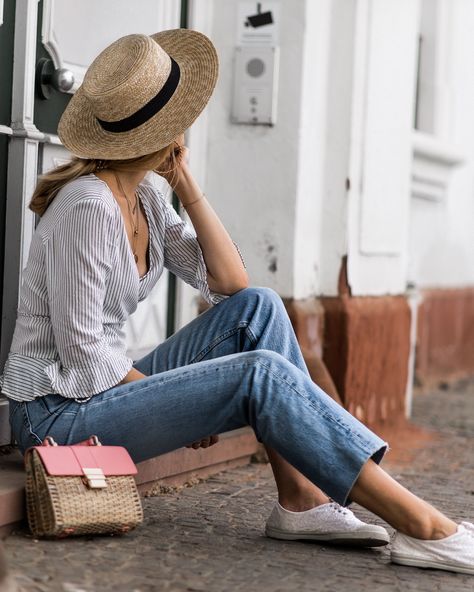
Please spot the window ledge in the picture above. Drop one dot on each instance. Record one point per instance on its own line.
(433, 163)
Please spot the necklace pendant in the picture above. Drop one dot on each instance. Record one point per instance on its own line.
(135, 231)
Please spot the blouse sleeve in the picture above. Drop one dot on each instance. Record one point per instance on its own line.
(78, 258)
(183, 254)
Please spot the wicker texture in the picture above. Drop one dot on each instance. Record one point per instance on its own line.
(123, 78)
(66, 506)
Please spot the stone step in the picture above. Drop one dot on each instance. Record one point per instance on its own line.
(175, 468)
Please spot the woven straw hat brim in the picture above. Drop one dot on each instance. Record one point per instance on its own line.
(81, 133)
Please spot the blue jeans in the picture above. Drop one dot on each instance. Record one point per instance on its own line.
(236, 364)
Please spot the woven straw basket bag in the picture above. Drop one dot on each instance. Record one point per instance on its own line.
(85, 488)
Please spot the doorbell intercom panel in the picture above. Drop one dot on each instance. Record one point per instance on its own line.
(255, 85)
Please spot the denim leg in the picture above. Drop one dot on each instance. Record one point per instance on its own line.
(287, 411)
(221, 372)
(251, 319)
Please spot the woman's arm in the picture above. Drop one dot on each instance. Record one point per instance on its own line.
(225, 270)
(226, 273)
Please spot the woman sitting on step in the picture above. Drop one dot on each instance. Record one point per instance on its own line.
(104, 237)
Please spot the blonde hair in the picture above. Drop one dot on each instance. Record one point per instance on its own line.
(50, 183)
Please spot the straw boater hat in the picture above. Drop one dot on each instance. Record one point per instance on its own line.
(139, 94)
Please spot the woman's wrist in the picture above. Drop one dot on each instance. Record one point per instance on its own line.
(190, 203)
(187, 189)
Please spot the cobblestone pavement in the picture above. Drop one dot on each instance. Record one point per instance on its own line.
(209, 537)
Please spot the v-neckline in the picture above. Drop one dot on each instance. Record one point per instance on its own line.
(144, 203)
(148, 251)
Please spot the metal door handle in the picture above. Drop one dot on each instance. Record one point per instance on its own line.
(49, 78)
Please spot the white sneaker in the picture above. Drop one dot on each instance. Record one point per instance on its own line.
(328, 523)
(453, 553)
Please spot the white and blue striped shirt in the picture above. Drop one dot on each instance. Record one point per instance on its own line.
(80, 285)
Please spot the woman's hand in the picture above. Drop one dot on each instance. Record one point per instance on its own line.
(173, 168)
(226, 272)
(204, 443)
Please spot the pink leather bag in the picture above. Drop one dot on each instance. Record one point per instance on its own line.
(84, 488)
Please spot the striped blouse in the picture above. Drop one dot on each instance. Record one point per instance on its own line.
(80, 285)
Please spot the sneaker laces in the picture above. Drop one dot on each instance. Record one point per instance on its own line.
(469, 527)
(338, 508)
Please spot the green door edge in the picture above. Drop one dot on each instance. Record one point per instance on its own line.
(7, 33)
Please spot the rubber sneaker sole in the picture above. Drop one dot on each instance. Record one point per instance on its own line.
(430, 563)
(365, 537)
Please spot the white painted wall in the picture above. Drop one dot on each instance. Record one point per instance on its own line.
(441, 246)
(335, 163)
(281, 191)
(381, 155)
(309, 187)
(252, 171)
(346, 109)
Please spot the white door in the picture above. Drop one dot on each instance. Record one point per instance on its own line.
(70, 34)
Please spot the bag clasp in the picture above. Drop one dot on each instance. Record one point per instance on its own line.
(95, 477)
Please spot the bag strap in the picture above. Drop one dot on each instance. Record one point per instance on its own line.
(91, 441)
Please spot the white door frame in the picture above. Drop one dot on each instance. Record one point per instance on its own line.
(22, 163)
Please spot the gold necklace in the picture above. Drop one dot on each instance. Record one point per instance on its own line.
(130, 211)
